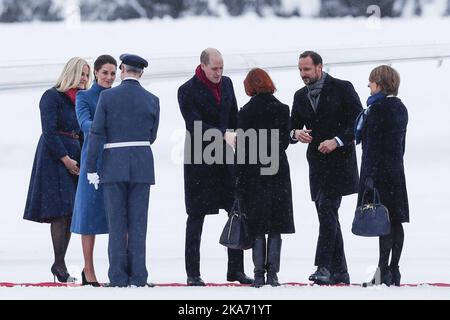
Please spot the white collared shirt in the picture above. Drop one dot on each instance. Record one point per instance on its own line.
(130, 78)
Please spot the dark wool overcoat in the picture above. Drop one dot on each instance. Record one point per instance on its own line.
(51, 193)
(335, 173)
(266, 199)
(208, 187)
(383, 147)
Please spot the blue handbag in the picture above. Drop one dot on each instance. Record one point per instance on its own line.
(371, 219)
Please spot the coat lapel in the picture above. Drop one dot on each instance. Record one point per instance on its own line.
(206, 94)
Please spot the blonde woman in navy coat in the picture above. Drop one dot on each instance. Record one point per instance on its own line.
(51, 193)
(89, 217)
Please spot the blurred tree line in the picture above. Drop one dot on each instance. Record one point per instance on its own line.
(108, 10)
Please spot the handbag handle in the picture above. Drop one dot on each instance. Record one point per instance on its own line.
(236, 203)
(376, 196)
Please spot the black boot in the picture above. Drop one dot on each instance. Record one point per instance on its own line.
(382, 276)
(259, 260)
(236, 267)
(273, 260)
(396, 276)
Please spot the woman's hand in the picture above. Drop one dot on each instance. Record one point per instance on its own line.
(71, 165)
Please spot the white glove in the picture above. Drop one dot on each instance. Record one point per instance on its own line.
(94, 179)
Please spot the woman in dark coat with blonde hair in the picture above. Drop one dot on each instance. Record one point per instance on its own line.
(54, 176)
(382, 130)
(266, 197)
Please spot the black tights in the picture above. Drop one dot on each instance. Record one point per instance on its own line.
(60, 230)
(393, 242)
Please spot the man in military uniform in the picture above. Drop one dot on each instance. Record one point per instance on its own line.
(126, 122)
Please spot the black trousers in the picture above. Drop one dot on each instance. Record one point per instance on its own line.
(194, 227)
(330, 245)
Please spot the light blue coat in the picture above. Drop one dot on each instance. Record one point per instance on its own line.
(89, 217)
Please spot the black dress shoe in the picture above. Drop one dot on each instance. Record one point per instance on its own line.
(110, 285)
(241, 277)
(149, 285)
(396, 276)
(341, 278)
(195, 282)
(322, 276)
(84, 281)
(259, 281)
(272, 279)
(382, 276)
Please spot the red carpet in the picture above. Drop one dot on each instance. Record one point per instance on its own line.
(229, 284)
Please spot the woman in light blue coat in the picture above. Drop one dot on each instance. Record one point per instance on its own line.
(89, 217)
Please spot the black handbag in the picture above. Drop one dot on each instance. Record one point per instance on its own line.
(371, 219)
(235, 234)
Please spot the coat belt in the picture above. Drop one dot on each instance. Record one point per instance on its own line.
(127, 144)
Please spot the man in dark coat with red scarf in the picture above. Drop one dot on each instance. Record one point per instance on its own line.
(207, 102)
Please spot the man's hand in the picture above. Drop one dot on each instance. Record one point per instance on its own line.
(94, 179)
(328, 146)
(230, 139)
(303, 136)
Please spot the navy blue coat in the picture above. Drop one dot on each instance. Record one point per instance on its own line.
(52, 188)
(207, 187)
(125, 113)
(335, 173)
(383, 146)
(266, 199)
(89, 215)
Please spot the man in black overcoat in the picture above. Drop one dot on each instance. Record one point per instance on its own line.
(207, 102)
(323, 116)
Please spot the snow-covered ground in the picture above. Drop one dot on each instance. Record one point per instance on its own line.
(25, 247)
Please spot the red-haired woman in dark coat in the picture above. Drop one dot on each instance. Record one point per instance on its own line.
(264, 187)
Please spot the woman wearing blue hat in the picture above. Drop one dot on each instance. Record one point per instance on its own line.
(89, 217)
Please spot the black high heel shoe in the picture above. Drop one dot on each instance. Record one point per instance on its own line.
(62, 275)
(84, 281)
(396, 276)
(382, 276)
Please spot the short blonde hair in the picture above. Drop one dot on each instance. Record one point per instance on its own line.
(387, 78)
(71, 75)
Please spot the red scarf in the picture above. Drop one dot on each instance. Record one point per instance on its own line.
(215, 88)
(72, 93)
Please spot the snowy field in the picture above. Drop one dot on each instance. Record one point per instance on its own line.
(25, 247)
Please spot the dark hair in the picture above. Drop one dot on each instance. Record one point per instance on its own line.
(387, 78)
(102, 60)
(316, 58)
(258, 81)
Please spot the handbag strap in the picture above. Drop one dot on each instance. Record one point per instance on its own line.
(376, 196)
(236, 208)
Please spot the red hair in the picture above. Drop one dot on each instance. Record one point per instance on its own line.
(258, 81)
